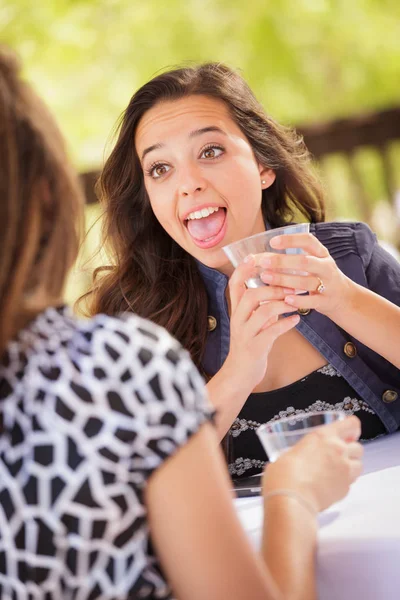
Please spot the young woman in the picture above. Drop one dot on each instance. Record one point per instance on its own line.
(105, 441)
(197, 165)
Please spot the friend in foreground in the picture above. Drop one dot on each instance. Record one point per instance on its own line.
(106, 441)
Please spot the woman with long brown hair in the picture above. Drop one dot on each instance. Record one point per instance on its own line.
(105, 443)
(198, 165)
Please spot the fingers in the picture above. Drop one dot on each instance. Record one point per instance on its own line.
(355, 451)
(355, 469)
(308, 283)
(274, 330)
(237, 286)
(253, 299)
(304, 301)
(306, 241)
(348, 430)
(265, 316)
(295, 262)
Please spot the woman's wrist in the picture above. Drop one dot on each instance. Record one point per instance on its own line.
(227, 393)
(348, 301)
(300, 499)
(235, 379)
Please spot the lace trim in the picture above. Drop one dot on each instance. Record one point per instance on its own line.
(348, 406)
(329, 370)
(241, 465)
(240, 425)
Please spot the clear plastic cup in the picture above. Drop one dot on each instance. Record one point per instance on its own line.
(278, 436)
(260, 243)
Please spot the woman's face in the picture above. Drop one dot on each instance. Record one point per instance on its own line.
(201, 176)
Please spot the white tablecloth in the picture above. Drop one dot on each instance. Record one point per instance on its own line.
(359, 537)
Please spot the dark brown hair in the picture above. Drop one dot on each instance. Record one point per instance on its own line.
(152, 275)
(40, 201)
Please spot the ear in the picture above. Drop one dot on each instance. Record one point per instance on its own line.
(267, 176)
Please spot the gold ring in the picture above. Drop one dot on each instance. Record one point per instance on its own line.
(321, 287)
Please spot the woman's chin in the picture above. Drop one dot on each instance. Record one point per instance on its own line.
(216, 260)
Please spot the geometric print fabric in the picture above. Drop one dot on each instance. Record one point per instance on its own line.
(89, 409)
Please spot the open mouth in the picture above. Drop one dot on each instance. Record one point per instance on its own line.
(207, 226)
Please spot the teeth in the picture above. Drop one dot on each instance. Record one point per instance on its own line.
(204, 212)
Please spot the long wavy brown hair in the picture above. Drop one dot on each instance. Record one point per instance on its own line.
(151, 274)
(40, 204)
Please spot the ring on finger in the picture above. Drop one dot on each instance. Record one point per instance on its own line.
(321, 287)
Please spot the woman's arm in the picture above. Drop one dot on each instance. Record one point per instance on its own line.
(373, 320)
(254, 327)
(199, 540)
(201, 545)
(228, 392)
(320, 469)
(364, 314)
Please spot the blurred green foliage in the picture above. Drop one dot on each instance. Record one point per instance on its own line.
(306, 60)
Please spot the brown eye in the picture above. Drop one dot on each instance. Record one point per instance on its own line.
(211, 152)
(160, 170)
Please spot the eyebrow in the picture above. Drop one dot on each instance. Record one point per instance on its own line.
(192, 134)
(211, 128)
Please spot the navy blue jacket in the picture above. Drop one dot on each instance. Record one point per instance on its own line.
(357, 253)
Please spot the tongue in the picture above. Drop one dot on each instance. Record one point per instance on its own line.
(207, 227)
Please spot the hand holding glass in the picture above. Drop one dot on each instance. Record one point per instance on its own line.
(260, 243)
(278, 436)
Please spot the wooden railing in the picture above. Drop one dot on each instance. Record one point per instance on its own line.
(377, 130)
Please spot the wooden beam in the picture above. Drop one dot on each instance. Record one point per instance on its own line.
(344, 135)
(376, 129)
(88, 181)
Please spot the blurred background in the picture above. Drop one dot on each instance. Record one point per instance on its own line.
(331, 68)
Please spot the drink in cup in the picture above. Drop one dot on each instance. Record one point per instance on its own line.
(260, 243)
(280, 435)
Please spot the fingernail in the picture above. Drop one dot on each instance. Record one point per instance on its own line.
(290, 300)
(265, 262)
(250, 260)
(276, 242)
(266, 276)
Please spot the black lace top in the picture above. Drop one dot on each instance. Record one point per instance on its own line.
(324, 389)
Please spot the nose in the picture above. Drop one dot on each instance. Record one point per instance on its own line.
(191, 182)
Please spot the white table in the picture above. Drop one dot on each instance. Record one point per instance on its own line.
(359, 537)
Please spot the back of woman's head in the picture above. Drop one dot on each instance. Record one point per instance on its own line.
(40, 201)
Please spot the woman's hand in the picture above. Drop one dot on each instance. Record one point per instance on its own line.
(329, 289)
(322, 466)
(255, 324)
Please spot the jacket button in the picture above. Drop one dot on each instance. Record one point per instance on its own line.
(211, 323)
(389, 396)
(304, 311)
(350, 350)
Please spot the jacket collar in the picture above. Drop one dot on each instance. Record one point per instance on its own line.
(213, 279)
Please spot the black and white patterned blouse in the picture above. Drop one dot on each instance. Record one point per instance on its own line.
(324, 389)
(89, 410)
